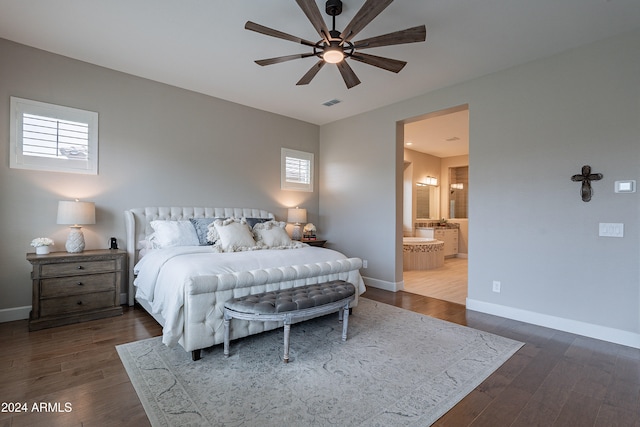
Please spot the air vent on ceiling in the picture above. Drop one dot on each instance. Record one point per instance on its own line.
(331, 102)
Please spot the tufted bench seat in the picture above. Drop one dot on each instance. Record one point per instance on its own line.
(291, 306)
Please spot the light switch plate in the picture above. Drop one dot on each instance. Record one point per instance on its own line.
(611, 229)
(628, 186)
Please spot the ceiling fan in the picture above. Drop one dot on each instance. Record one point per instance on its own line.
(335, 46)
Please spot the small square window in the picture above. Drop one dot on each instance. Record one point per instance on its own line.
(53, 138)
(296, 170)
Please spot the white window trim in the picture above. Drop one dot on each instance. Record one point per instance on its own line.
(295, 186)
(21, 106)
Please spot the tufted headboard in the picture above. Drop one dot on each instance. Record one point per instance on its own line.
(138, 226)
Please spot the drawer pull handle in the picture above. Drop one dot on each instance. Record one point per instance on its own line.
(80, 284)
(80, 267)
(79, 302)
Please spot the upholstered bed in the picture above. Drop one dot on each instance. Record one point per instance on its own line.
(184, 284)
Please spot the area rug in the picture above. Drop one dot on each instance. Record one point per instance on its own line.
(397, 368)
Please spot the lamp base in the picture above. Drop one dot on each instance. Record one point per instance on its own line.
(296, 234)
(75, 241)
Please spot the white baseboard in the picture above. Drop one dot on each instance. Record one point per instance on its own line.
(16, 313)
(603, 333)
(382, 284)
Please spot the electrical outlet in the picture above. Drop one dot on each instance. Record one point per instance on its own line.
(496, 286)
(364, 263)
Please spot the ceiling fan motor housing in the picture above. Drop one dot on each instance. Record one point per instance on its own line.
(333, 7)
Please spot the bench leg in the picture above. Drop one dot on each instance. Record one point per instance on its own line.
(345, 322)
(226, 336)
(340, 313)
(287, 329)
(195, 355)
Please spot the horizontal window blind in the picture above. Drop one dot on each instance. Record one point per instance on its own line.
(298, 170)
(50, 137)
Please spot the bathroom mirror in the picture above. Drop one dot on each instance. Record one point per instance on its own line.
(458, 192)
(427, 201)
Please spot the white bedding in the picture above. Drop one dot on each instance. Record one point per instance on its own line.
(162, 275)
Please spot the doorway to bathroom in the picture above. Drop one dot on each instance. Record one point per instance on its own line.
(435, 219)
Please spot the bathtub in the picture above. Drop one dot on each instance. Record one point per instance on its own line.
(422, 253)
(417, 240)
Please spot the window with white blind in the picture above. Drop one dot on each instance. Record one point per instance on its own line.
(296, 170)
(53, 138)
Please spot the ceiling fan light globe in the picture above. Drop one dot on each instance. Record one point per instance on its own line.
(333, 56)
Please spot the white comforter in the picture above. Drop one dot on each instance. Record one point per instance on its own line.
(163, 274)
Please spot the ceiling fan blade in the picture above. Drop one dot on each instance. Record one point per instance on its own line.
(369, 10)
(310, 8)
(349, 77)
(410, 35)
(378, 61)
(306, 79)
(279, 59)
(252, 26)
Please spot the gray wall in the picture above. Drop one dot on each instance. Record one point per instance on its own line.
(531, 128)
(159, 145)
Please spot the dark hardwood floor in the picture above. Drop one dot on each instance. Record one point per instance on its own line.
(555, 379)
(77, 364)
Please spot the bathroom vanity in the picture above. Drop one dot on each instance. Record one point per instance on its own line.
(447, 234)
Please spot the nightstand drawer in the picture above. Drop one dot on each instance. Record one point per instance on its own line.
(62, 286)
(80, 267)
(76, 303)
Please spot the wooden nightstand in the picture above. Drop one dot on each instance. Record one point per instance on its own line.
(71, 288)
(319, 243)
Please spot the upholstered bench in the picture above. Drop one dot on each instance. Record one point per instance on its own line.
(291, 306)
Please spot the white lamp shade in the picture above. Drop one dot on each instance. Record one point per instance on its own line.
(76, 213)
(297, 215)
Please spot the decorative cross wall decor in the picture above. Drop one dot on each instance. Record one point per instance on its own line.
(586, 177)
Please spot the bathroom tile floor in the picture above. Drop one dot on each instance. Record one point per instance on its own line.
(448, 283)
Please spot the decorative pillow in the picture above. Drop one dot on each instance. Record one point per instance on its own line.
(272, 234)
(212, 233)
(168, 234)
(234, 235)
(202, 229)
(251, 222)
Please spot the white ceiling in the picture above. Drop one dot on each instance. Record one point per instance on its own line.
(202, 45)
(441, 135)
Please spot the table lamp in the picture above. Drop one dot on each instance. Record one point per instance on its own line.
(297, 216)
(76, 213)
